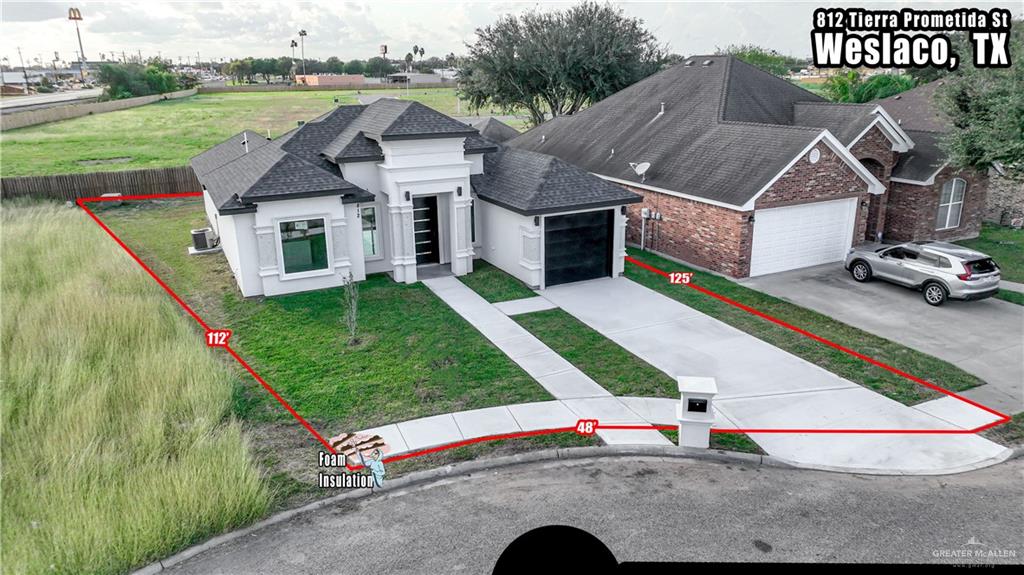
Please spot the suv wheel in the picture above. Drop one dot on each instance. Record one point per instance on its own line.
(861, 271)
(935, 294)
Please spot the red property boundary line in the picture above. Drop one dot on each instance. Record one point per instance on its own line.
(81, 202)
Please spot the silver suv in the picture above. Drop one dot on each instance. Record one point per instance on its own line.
(940, 270)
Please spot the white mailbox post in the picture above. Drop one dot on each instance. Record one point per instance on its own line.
(696, 412)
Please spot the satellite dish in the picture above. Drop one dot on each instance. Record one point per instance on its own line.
(640, 168)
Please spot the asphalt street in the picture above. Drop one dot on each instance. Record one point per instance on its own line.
(648, 509)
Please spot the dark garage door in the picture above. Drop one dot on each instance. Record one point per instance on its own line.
(577, 247)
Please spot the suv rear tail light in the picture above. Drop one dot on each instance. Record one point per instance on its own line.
(965, 276)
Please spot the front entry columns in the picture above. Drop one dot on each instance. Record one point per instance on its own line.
(403, 244)
(461, 234)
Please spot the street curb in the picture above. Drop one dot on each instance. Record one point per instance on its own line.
(476, 466)
(468, 468)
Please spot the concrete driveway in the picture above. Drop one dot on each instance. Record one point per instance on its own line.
(763, 387)
(983, 337)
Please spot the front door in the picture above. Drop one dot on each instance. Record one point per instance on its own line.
(424, 218)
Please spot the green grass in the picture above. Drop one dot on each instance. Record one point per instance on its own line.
(740, 442)
(844, 365)
(1005, 245)
(417, 356)
(495, 285)
(118, 447)
(1011, 296)
(168, 133)
(1010, 434)
(603, 360)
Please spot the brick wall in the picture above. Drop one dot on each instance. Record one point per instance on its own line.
(912, 209)
(876, 146)
(720, 238)
(703, 234)
(1005, 200)
(874, 150)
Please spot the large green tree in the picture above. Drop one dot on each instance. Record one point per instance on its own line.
(850, 87)
(556, 62)
(986, 111)
(768, 60)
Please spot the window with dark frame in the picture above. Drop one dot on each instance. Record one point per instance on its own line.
(303, 245)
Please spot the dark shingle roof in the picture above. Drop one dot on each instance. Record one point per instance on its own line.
(270, 173)
(391, 119)
(302, 163)
(530, 183)
(493, 129)
(693, 147)
(916, 110)
(227, 151)
(923, 161)
(845, 121)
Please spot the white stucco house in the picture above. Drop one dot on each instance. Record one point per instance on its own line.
(396, 187)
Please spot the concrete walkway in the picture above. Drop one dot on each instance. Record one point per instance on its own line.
(437, 430)
(576, 392)
(1011, 286)
(763, 387)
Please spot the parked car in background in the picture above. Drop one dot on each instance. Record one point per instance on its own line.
(939, 270)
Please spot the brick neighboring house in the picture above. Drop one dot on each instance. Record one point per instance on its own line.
(750, 174)
(920, 175)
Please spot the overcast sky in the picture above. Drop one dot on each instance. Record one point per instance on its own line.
(355, 29)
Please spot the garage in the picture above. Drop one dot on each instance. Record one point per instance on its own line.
(801, 236)
(577, 247)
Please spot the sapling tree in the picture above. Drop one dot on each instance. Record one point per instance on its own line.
(350, 301)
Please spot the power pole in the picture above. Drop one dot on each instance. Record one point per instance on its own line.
(24, 72)
(75, 15)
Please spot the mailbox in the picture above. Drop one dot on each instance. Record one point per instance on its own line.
(695, 412)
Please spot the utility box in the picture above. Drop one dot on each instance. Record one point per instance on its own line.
(696, 411)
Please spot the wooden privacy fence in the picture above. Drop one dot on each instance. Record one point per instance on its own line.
(69, 187)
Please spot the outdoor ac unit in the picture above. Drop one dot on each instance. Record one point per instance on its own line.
(204, 239)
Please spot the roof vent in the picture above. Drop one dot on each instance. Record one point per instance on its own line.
(688, 63)
(707, 63)
(543, 137)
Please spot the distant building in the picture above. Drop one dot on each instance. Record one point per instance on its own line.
(330, 79)
(416, 78)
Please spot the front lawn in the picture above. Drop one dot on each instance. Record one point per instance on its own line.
(1005, 245)
(495, 285)
(603, 360)
(118, 443)
(941, 373)
(417, 356)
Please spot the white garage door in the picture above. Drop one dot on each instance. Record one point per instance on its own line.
(801, 236)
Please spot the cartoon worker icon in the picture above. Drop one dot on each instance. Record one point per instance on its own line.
(375, 465)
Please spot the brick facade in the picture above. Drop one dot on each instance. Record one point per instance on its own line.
(912, 209)
(720, 238)
(703, 234)
(1005, 200)
(875, 151)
